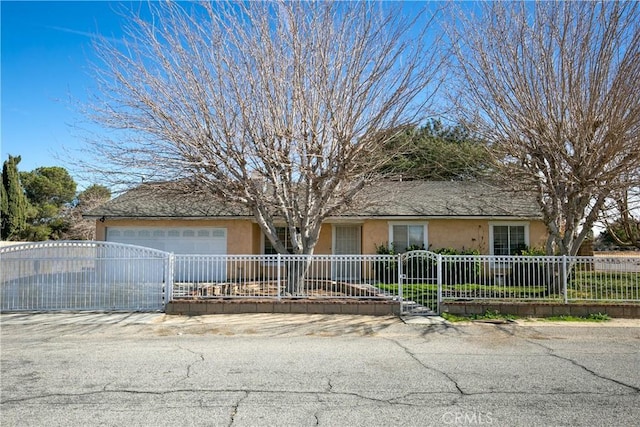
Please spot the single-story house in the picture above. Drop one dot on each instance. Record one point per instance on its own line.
(430, 214)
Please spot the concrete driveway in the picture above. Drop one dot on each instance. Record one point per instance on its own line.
(305, 370)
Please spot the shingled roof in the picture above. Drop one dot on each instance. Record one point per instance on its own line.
(167, 200)
(435, 199)
(447, 199)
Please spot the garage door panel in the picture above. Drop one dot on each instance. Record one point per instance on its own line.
(204, 241)
(181, 241)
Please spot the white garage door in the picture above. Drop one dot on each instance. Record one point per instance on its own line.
(179, 240)
(182, 241)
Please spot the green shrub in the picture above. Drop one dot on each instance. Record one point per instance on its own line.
(533, 252)
(385, 271)
(457, 271)
(423, 268)
(528, 272)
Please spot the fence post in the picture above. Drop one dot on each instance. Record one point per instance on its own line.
(278, 269)
(400, 277)
(168, 277)
(439, 282)
(564, 279)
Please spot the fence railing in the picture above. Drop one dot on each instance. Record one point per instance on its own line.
(423, 276)
(277, 276)
(541, 278)
(109, 276)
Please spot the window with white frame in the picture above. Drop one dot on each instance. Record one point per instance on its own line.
(406, 236)
(283, 236)
(509, 238)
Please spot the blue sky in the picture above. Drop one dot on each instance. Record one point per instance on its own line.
(46, 52)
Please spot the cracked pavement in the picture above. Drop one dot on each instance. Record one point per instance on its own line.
(303, 370)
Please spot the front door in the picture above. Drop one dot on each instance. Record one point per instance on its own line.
(347, 240)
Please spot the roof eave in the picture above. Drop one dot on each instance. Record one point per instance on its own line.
(434, 217)
(160, 217)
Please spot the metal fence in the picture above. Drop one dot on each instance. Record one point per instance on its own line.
(419, 279)
(62, 275)
(562, 278)
(109, 276)
(278, 276)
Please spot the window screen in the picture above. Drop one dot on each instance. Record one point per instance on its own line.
(508, 239)
(283, 235)
(408, 237)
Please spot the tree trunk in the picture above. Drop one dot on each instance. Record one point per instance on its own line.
(297, 268)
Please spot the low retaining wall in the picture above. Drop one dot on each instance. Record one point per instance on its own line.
(392, 308)
(236, 306)
(537, 309)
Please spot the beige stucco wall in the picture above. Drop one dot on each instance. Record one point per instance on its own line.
(325, 241)
(459, 234)
(473, 234)
(538, 234)
(375, 232)
(245, 237)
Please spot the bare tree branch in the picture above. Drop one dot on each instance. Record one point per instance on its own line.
(621, 217)
(274, 105)
(554, 86)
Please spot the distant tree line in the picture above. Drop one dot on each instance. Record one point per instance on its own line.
(43, 204)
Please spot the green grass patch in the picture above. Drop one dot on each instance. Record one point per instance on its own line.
(493, 315)
(584, 285)
(428, 291)
(488, 315)
(418, 293)
(604, 285)
(496, 315)
(472, 290)
(453, 318)
(593, 317)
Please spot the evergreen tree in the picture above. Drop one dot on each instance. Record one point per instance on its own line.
(435, 152)
(49, 190)
(4, 203)
(14, 202)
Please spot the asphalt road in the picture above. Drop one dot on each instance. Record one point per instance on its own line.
(306, 370)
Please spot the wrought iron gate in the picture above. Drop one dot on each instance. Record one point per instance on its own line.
(83, 275)
(419, 279)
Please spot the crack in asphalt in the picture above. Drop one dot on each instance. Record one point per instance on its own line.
(551, 352)
(548, 350)
(189, 366)
(247, 392)
(234, 408)
(430, 368)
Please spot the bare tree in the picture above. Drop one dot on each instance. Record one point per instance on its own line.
(621, 218)
(554, 86)
(273, 105)
(79, 228)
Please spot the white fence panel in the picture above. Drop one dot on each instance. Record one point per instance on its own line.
(278, 276)
(64, 275)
